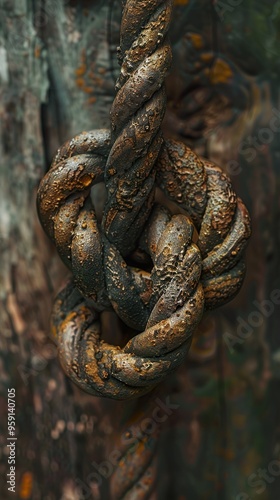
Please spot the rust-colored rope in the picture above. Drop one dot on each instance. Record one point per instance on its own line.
(157, 271)
(163, 299)
(136, 116)
(168, 302)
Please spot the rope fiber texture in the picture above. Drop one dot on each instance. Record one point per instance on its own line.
(158, 271)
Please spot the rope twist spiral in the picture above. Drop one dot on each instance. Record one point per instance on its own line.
(157, 270)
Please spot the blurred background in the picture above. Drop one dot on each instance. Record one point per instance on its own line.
(58, 67)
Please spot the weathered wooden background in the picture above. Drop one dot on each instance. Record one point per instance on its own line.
(57, 71)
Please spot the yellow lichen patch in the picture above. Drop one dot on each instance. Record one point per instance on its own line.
(80, 82)
(87, 90)
(196, 40)
(206, 56)
(37, 51)
(26, 483)
(81, 70)
(91, 100)
(96, 80)
(220, 72)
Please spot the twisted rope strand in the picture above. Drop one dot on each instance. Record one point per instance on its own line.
(136, 116)
(166, 303)
(165, 300)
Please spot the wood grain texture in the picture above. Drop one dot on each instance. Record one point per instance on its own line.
(57, 71)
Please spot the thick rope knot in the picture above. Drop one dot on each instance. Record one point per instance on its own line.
(168, 245)
(191, 261)
(158, 271)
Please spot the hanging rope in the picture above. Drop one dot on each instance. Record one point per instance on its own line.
(159, 272)
(166, 297)
(136, 116)
(136, 473)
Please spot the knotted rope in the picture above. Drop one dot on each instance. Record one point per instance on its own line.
(164, 298)
(136, 116)
(156, 270)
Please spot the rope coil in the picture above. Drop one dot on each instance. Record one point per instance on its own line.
(168, 302)
(166, 297)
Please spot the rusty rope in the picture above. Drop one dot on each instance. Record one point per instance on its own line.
(136, 116)
(181, 276)
(157, 271)
(136, 473)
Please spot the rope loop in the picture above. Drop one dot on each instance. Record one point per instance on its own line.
(157, 266)
(191, 261)
(156, 269)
